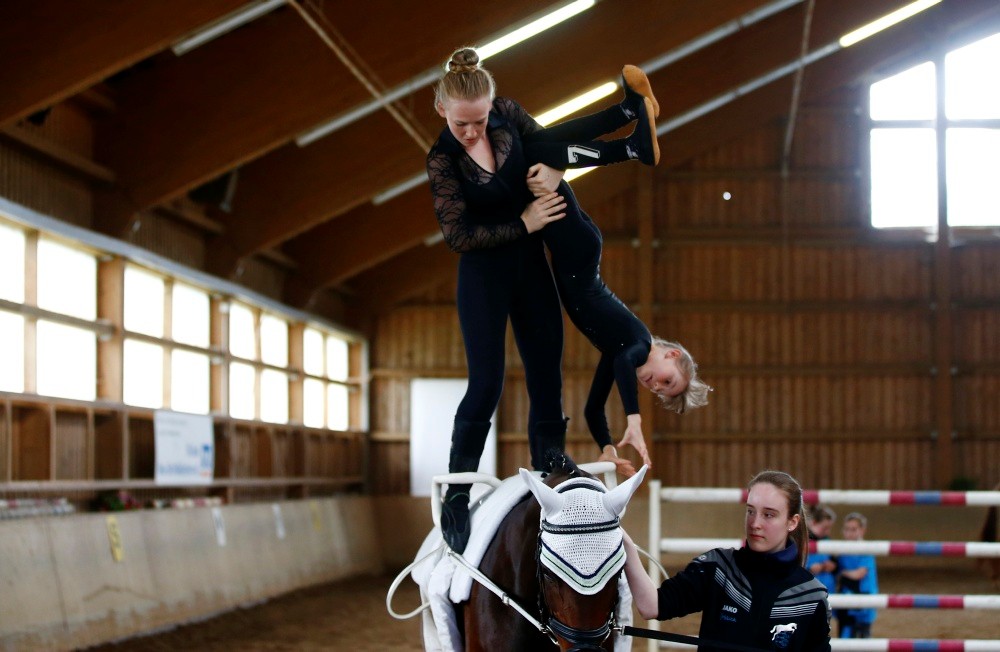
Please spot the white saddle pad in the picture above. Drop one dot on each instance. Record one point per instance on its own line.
(443, 583)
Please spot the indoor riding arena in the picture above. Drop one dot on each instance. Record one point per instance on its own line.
(242, 316)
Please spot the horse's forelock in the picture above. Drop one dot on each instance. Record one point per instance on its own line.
(561, 467)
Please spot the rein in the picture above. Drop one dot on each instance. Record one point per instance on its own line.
(628, 630)
(500, 593)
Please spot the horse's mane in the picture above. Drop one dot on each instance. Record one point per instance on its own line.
(558, 463)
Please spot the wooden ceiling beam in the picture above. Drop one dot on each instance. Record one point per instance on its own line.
(361, 239)
(185, 121)
(294, 189)
(413, 271)
(52, 49)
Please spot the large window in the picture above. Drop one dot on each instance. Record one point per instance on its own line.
(190, 370)
(907, 127)
(157, 372)
(66, 353)
(258, 380)
(152, 341)
(325, 389)
(12, 245)
(143, 359)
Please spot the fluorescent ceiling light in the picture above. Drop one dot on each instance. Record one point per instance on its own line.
(576, 173)
(399, 188)
(886, 21)
(226, 24)
(575, 104)
(427, 78)
(534, 27)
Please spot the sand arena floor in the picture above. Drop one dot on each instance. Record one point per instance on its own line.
(351, 615)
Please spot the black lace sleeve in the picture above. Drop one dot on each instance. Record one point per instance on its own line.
(460, 232)
(516, 115)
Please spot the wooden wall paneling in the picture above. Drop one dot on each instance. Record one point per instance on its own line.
(31, 443)
(976, 270)
(820, 129)
(975, 337)
(977, 413)
(44, 186)
(6, 440)
(241, 451)
(979, 460)
(141, 447)
(281, 454)
(179, 241)
(263, 453)
(108, 445)
(390, 467)
(71, 445)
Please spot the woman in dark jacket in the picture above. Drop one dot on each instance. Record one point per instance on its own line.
(759, 596)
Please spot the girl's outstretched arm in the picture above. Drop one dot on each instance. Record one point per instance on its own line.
(644, 594)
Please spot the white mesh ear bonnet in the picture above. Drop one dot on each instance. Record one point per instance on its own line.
(582, 542)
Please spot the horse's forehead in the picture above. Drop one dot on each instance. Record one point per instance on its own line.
(583, 500)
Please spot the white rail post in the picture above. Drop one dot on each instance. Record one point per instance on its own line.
(654, 547)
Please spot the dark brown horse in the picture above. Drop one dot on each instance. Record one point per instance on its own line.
(573, 620)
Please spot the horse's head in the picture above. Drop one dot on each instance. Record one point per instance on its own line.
(580, 556)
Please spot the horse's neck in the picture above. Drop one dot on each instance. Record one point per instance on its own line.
(515, 554)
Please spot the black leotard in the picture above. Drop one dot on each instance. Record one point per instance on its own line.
(575, 245)
(502, 271)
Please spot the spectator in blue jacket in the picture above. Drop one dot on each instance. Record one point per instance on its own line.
(856, 575)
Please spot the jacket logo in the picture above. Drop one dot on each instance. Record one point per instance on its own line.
(730, 608)
(781, 634)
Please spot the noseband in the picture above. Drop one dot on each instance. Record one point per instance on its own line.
(581, 640)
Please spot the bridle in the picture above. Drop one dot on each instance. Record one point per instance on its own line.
(580, 640)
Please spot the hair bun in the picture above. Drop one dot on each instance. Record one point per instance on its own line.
(464, 60)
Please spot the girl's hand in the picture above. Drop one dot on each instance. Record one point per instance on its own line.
(543, 210)
(542, 179)
(633, 437)
(622, 465)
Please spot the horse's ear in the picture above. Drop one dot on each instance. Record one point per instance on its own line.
(616, 499)
(550, 500)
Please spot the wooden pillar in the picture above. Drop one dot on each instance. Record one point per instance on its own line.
(30, 322)
(111, 309)
(943, 326)
(168, 334)
(645, 215)
(296, 380)
(219, 342)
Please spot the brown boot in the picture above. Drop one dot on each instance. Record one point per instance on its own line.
(636, 85)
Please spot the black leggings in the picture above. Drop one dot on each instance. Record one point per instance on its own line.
(513, 281)
(572, 144)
